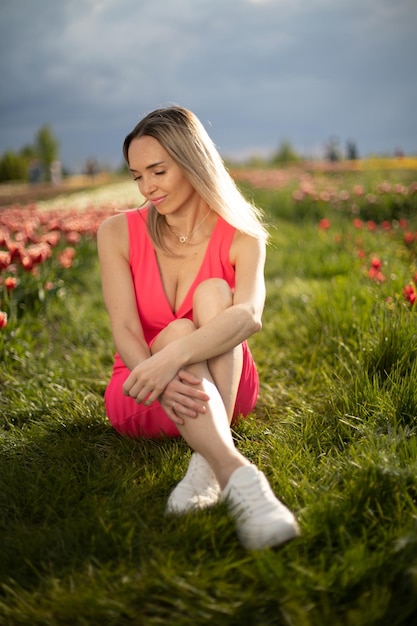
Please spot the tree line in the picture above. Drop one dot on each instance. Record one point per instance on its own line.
(36, 162)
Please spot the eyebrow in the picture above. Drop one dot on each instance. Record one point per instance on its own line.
(149, 167)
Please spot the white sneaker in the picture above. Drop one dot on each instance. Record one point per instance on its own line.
(262, 520)
(198, 489)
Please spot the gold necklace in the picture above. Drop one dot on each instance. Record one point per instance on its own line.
(185, 238)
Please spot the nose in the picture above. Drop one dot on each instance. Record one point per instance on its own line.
(147, 186)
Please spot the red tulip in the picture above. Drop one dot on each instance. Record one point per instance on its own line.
(3, 319)
(410, 293)
(10, 283)
(324, 224)
(374, 271)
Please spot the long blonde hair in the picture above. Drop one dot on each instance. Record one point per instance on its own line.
(185, 139)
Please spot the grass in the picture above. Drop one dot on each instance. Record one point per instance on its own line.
(84, 539)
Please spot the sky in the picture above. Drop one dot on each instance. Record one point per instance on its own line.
(256, 73)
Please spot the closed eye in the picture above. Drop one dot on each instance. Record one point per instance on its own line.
(138, 178)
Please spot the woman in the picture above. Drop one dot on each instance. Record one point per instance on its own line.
(184, 287)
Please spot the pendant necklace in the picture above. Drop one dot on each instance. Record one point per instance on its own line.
(185, 238)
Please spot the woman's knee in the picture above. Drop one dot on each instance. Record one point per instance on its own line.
(210, 298)
(176, 329)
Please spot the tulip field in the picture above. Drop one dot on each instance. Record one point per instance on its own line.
(84, 539)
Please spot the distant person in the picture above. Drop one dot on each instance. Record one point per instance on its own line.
(35, 172)
(351, 151)
(184, 287)
(91, 168)
(56, 172)
(332, 150)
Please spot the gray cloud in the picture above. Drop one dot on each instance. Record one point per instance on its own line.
(255, 71)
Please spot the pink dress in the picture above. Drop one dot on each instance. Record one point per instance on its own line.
(155, 313)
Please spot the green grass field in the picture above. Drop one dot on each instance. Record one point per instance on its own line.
(84, 540)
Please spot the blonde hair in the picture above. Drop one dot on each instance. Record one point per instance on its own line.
(185, 139)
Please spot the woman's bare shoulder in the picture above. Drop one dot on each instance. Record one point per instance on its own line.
(113, 235)
(246, 244)
(115, 225)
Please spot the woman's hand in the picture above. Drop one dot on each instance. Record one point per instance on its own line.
(157, 378)
(182, 399)
(149, 379)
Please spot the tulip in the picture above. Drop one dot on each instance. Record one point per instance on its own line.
(10, 283)
(374, 271)
(3, 319)
(324, 224)
(5, 259)
(410, 293)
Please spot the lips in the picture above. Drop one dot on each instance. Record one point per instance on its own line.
(156, 201)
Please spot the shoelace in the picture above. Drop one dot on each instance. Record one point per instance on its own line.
(256, 498)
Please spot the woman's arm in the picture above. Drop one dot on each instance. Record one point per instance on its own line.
(120, 301)
(244, 317)
(118, 291)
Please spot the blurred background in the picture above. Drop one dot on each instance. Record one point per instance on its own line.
(273, 81)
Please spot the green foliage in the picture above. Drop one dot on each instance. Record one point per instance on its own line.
(285, 154)
(46, 147)
(20, 166)
(12, 167)
(82, 525)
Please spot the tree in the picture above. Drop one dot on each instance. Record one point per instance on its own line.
(285, 154)
(12, 167)
(33, 162)
(46, 148)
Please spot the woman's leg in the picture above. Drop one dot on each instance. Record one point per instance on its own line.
(209, 433)
(262, 520)
(211, 298)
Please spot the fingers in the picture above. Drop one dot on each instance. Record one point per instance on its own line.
(189, 410)
(136, 392)
(182, 389)
(141, 392)
(142, 396)
(180, 409)
(188, 378)
(191, 378)
(142, 386)
(190, 401)
(176, 418)
(186, 388)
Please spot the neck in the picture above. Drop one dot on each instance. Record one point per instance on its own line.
(184, 230)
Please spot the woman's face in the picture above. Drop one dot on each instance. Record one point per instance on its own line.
(160, 180)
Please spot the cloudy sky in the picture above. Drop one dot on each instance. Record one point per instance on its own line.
(256, 72)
